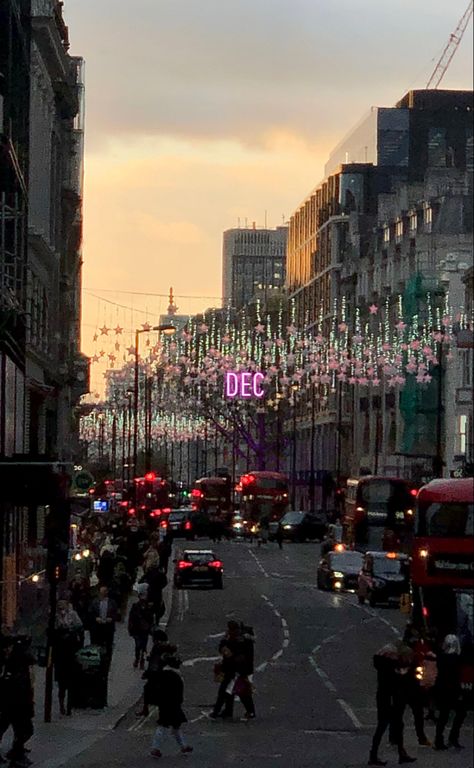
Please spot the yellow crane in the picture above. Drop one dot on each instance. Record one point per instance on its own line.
(450, 49)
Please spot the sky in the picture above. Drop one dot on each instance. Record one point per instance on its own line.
(201, 113)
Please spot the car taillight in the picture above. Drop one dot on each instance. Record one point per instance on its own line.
(184, 564)
(164, 524)
(215, 564)
(187, 526)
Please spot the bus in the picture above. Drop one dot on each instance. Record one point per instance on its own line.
(211, 503)
(263, 496)
(379, 513)
(442, 568)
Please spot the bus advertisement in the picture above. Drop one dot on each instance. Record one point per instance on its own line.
(263, 496)
(379, 513)
(442, 568)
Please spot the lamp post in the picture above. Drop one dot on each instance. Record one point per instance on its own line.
(293, 460)
(168, 330)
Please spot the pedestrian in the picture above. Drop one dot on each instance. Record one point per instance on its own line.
(157, 580)
(392, 662)
(80, 595)
(449, 693)
(104, 614)
(140, 622)
(262, 533)
(234, 671)
(165, 548)
(279, 536)
(67, 640)
(105, 570)
(170, 696)
(17, 697)
(160, 647)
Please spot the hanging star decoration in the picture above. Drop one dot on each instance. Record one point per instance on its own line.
(259, 328)
(131, 350)
(146, 327)
(118, 330)
(95, 359)
(95, 337)
(104, 331)
(373, 309)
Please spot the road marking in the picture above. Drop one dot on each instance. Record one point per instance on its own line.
(213, 637)
(141, 722)
(267, 575)
(350, 713)
(322, 675)
(192, 662)
(285, 630)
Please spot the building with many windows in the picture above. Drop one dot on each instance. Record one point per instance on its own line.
(253, 264)
(391, 224)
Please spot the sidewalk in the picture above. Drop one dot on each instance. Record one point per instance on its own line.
(53, 744)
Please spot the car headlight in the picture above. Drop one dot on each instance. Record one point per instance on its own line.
(337, 584)
(338, 575)
(237, 525)
(287, 527)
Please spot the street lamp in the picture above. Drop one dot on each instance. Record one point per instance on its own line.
(294, 387)
(169, 330)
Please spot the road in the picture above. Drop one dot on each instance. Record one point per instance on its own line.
(315, 683)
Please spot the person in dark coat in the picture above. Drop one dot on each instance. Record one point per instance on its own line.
(170, 696)
(448, 693)
(104, 615)
(80, 592)
(392, 663)
(140, 622)
(68, 639)
(157, 581)
(16, 696)
(160, 648)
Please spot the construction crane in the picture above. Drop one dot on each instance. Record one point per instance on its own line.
(450, 49)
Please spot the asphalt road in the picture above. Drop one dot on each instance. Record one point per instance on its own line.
(315, 684)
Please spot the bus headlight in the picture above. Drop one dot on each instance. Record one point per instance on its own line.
(337, 584)
(423, 553)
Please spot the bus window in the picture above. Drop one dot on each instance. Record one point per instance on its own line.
(447, 519)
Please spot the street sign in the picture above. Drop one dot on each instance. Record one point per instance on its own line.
(83, 480)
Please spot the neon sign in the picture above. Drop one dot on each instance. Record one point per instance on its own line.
(244, 384)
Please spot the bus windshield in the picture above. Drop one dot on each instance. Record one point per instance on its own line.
(388, 567)
(383, 492)
(447, 519)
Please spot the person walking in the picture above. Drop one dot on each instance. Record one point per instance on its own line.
(160, 648)
(67, 640)
(104, 615)
(140, 622)
(234, 671)
(170, 694)
(17, 697)
(80, 595)
(279, 536)
(157, 580)
(392, 663)
(448, 693)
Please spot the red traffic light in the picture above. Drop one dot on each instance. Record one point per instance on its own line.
(150, 476)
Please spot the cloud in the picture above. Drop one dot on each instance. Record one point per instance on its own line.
(212, 69)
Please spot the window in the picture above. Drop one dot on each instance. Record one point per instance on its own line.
(413, 222)
(448, 519)
(428, 218)
(461, 433)
(386, 234)
(398, 230)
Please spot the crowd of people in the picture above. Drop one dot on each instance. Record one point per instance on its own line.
(423, 675)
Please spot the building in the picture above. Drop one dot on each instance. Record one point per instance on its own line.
(42, 372)
(392, 219)
(253, 264)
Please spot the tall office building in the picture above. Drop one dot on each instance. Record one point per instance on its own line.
(253, 264)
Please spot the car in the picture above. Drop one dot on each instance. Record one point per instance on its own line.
(383, 578)
(339, 570)
(180, 523)
(198, 566)
(300, 526)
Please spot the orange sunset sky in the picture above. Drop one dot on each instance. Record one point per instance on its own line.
(198, 113)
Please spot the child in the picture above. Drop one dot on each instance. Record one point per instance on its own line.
(170, 699)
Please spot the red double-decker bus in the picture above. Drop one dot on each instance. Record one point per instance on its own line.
(263, 495)
(379, 513)
(442, 568)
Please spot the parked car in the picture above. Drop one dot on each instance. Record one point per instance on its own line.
(198, 566)
(384, 577)
(339, 570)
(180, 523)
(300, 526)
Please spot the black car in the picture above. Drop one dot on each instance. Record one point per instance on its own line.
(180, 523)
(198, 566)
(384, 577)
(300, 526)
(339, 570)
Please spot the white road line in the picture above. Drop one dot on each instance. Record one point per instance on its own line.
(267, 575)
(277, 655)
(141, 722)
(350, 713)
(322, 675)
(192, 662)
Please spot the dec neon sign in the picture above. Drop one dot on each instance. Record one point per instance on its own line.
(244, 384)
